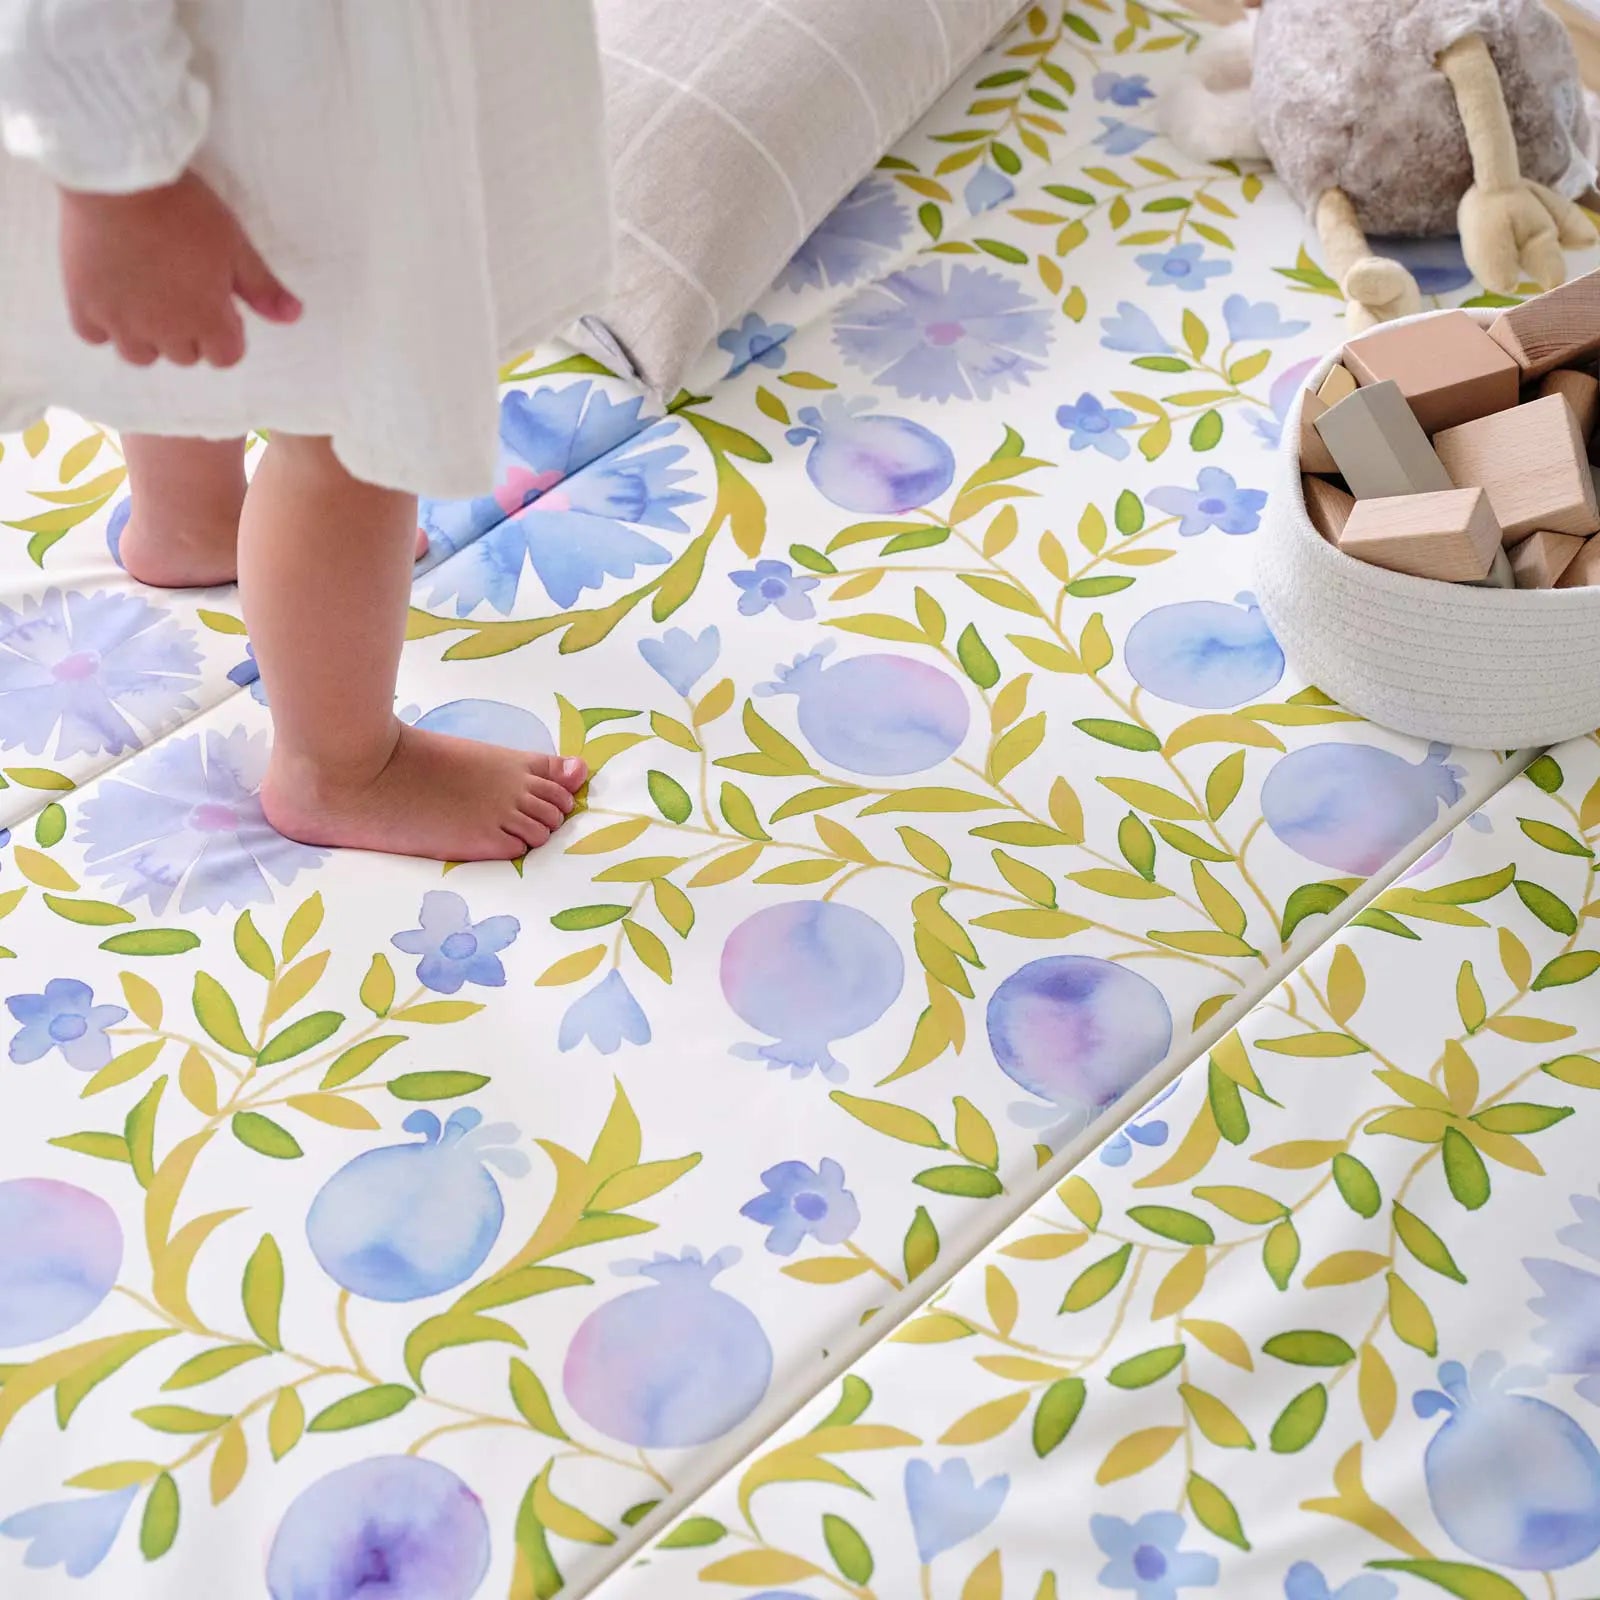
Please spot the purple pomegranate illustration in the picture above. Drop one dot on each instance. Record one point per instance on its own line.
(1352, 807)
(878, 715)
(1203, 653)
(489, 722)
(1078, 1032)
(412, 1220)
(60, 1252)
(673, 1364)
(396, 1526)
(875, 464)
(809, 972)
(1513, 1480)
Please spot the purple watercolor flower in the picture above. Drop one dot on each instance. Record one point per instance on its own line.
(755, 341)
(454, 949)
(63, 1018)
(1306, 1582)
(854, 241)
(1092, 427)
(1568, 1303)
(682, 658)
(1285, 387)
(1132, 332)
(1122, 89)
(247, 675)
(801, 1203)
(607, 1016)
(1145, 1558)
(1217, 501)
(1261, 320)
(774, 583)
(1183, 267)
(948, 1506)
(75, 1535)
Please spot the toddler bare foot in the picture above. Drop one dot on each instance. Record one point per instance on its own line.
(444, 798)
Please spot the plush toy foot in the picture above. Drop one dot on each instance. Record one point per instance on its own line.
(1378, 290)
(1574, 227)
(1512, 234)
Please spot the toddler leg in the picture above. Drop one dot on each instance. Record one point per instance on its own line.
(184, 531)
(325, 569)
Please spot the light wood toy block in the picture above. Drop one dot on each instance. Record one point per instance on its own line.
(1584, 568)
(1534, 464)
(1581, 392)
(1447, 367)
(1328, 506)
(1451, 536)
(1553, 330)
(1336, 386)
(1542, 557)
(1374, 437)
(1314, 455)
(1500, 574)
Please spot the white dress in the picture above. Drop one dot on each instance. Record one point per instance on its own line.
(426, 175)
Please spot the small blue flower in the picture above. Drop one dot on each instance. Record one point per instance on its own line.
(1305, 1582)
(1122, 90)
(1132, 331)
(1182, 267)
(63, 1018)
(755, 340)
(455, 949)
(948, 1507)
(773, 583)
(986, 189)
(1119, 138)
(247, 675)
(682, 658)
(1151, 1132)
(1144, 1556)
(800, 1204)
(606, 1016)
(1216, 502)
(74, 1534)
(1569, 1302)
(1261, 320)
(1092, 427)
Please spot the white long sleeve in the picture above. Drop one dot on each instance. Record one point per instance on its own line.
(99, 93)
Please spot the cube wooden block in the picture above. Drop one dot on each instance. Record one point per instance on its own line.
(1447, 367)
(1328, 506)
(1314, 455)
(1557, 329)
(1584, 569)
(1540, 559)
(1500, 575)
(1380, 447)
(1336, 386)
(1580, 390)
(1532, 461)
(1452, 536)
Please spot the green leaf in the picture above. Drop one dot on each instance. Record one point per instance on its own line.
(739, 814)
(693, 1533)
(1214, 1511)
(262, 1291)
(1425, 1244)
(1545, 772)
(1298, 1422)
(300, 1036)
(159, 1525)
(1280, 1253)
(51, 828)
(1059, 1407)
(450, 1330)
(536, 1573)
(1573, 967)
(1308, 1347)
(1310, 900)
(1094, 1283)
(921, 1248)
(363, 1407)
(1356, 1185)
(848, 1549)
(139, 1129)
(1137, 846)
(582, 918)
(1521, 1117)
(442, 1085)
(975, 658)
(1581, 1071)
(1151, 1366)
(1129, 513)
(1457, 1578)
(104, 1146)
(1550, 909)
(1464, 1170)
(971, 1183)
(218, 1015)
(1126, 735)
(264, 1136)
(1206, 434)
(994, 247)
(855, 1395)
(180, 1419)
(1097, 588)
(152, 942)
(212, 1364)
(351, 1063)
(1167, 1222)
(1553, 838)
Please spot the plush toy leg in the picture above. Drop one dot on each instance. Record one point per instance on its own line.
(1378, 290)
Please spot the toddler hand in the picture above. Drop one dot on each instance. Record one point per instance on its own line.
(156, 273)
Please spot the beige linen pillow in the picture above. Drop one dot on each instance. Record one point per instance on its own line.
(736, 125)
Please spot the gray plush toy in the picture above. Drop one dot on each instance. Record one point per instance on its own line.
(1407, 117)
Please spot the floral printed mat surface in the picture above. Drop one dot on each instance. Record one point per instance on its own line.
(373, 1228)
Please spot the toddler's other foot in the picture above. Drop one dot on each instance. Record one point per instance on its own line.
(444, 798)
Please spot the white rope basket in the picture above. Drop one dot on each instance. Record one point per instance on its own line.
(1499, 669)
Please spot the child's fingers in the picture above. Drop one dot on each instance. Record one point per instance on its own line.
(89, 330)
(223, 344)
(137, 352)
(254, 283)
(182, 352)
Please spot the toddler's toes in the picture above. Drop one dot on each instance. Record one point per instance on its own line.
(571, 772)
(557, 794)
(548, 816)
(529, 830)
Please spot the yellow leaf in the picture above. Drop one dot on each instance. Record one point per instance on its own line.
(1219, 904)
(40, 869)
(228, 1463)
(935, 1327)
(1135, 1453)
(333, 1109)
(753, 1568)
(295, 985)
(1095, 645)
(826, 1269)
(987, 1421)
(1023, 1369)
(1530, 1030)
(1347, 985)
(1376, 1390)
(1354, 1505)
(1423, 1127)
(986, 1580)
(1410, 1318)
(1198, 1146)
(1182, 1283)
(717, 700)
(563, 1520)
(377, 987)
(302, 927)
(859, 584)
(1298, 1154)
(1011, 702)
(1469, 999)
(1000, 1298)
(573, 968)
(1460, 1078)
(840, 840)
(1044, 1246)
(34, 439)
(1345, 1266)
(1220, 728)
(673, 731)
(1078, 1196)
(1514, 955)
(616, 1147)
(647, 945)
(1502, 1147)
(144, 999)
(1215, 1420)
(1243, 1205)
(808, 869)
(1220, 1340)
(616, 836)
(974, 1136)
(285, 1423)
(1002, 530)
(198, 1082)
(725, 868)
(1025, 879)
(1032, 924)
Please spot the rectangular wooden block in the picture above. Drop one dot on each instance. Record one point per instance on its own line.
(1532, 461)
(1336, 386)
(1500, 575)
(1379, 445)
(1542, 557)
(1447, 367)
(1553, 330)
(1314, 455)
(1328, 506)
(1584, 568)
(1451, 536)
(1580, 390)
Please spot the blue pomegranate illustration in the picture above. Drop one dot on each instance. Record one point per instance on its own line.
(809, 972)
(1203, 653)
(60, 1252)
(489, 722)
(397, 1526)
(1078, 1032)
(412, 1220)
(1513, 1480)
(875, 464)
(1352, 807)
(879, 715)
(672, 1364)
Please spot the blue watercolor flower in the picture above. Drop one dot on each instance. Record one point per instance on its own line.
(63, 1018)
(1121, 89)
(116, 523)
(774, 583)
(1119, 138)
(1305, 1582)
(247, 675)
(607, 1016)
(84, 669)
(1261, 320)
(1285, 387)
(801, 1204)
(1182, 267)
(1144, 1556)
(1569, 1302)
(1146, 1130)
(682, 658)
(854, 241)
(76, 1535)
(755, 340)
(1217, 501)
(1132, 331)
(937, 333)
(455, 949)
(987, 188)
(184, 818)
(1092, 427)
(948, 1507)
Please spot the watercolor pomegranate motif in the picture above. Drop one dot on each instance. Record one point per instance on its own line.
(1203, 653)
(412, 1220)
(489, 722)
(60, 1252)
(867, 462)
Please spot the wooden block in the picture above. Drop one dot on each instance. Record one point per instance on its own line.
(1542, 557)
(1451, 536)
(1584, 568)
(1314, 455)
(1336, 386)
(1500, 574)
(1379, 446)
(1447, 367)
(1553, 330)
(1532, 461)
(1580, 390)
(1328, 506)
